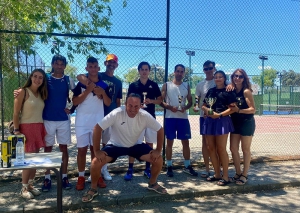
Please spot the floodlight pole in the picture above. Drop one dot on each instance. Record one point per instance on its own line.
(190, 54)
(262, 58)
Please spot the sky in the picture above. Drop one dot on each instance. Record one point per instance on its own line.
(233, 33)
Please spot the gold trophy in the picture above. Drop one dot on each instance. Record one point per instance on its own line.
(144, 105)
(179, 101)
(197, 102)
(210, 102)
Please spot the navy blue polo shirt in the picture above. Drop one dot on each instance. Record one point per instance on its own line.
(152, 89)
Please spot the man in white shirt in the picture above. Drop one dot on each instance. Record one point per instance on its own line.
(201, 90)
(126, 124)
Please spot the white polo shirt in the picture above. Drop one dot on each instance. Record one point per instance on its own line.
(125, 131)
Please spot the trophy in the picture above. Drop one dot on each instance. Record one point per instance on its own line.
(144, 105)
(197, 102)
(179, 101)
(210, 102)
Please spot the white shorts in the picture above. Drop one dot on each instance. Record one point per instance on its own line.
(85, 140)
(149, 135)
(59, 129)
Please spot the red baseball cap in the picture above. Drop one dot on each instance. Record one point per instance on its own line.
(112, 57)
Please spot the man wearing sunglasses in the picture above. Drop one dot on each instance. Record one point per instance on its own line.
(201, 90)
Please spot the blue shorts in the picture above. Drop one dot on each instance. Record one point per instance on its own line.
(136, 151)
(201, 124)
(179, 126)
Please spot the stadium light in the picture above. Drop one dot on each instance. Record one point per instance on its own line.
(190, 54)
(262, 58)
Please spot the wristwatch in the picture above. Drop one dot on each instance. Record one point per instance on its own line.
(220, 115)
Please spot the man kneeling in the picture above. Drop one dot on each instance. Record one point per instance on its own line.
(126, 124)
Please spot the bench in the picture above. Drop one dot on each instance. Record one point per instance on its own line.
(288, 109)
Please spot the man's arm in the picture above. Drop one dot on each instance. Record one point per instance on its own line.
(160, 139)
(81, 97)
(189, 99)
(97, 133)
(83, 79)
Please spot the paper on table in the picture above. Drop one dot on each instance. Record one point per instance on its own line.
(35, 161)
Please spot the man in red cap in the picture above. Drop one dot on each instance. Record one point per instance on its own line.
(115, 93)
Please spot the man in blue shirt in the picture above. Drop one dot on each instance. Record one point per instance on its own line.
(56, 118)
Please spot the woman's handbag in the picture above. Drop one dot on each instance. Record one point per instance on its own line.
(11, 125)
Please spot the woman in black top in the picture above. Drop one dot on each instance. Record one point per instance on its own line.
(217, 125)
(244, 124)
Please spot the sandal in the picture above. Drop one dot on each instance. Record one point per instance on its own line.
(157, 188)
(223, 182)
(240, 181)
(213, 178)
(205, 174)
(89, 197)
(235, 178)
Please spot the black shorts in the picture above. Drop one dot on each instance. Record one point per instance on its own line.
(245, 127)
(136, 151)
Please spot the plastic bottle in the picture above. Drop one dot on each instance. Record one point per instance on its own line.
(20, 154)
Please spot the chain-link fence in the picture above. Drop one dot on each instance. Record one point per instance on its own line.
(233, 34)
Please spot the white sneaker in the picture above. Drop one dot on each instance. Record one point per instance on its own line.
(106, 175)
(26, 194)
(89, 179)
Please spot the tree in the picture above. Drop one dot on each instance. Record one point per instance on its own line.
(290, 78)
(131, 76)
(87, 17)
(70, 71)
(269, 78)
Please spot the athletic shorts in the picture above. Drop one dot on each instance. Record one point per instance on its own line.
(59, 129)
(136, 151)
(149, 135)
(245, 127)
(201, 124)
(85, 140)
(177, 128)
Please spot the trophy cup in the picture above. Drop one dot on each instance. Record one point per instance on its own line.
(179, 101)
(197, 102)
(144, 105)
(210, 102)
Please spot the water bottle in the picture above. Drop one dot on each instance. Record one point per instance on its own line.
(20, 154)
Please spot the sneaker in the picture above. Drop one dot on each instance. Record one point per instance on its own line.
(25, 193)
(33, 190)
(190, 170)
(66, 184)
(147, 173)
(170, 171)
(129, 174)
(101, 183)
(46, 185)
(106, 175)
(89, 179)
(80, 183)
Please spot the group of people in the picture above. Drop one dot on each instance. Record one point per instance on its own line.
(110, 130)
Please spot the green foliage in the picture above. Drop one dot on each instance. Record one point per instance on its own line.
(290, 78)
(131, 76)
(270, 76)
(89, 17)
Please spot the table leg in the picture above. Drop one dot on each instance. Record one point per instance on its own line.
(59, 189)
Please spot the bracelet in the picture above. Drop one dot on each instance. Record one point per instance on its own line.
(16, 130)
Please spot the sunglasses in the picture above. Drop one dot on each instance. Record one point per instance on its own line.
(238, 76)
(209, 68)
